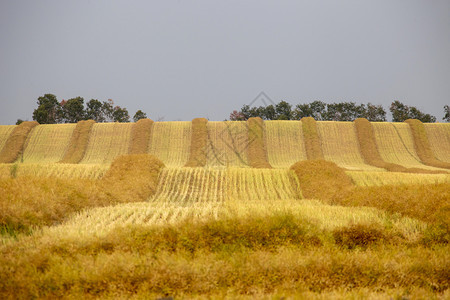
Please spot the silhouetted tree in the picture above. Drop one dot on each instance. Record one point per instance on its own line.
(401, 112)
(447, 113)
(94, 111)
(48, 110)
(139, 115)
(120, 114)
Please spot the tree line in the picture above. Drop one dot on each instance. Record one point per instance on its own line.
(51, 111)
(342, 111)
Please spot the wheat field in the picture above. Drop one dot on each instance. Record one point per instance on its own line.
(369, 178)
(439, 138)
(396, 145)
(284, 143)
(170, 142)
(106, 142)
(47, 143)
(5, 131)
(340, 145)
(227, 144)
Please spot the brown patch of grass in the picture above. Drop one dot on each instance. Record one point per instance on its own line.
(14, 145)
(422, 145)
(320, 179)
(140, 136)
(359, 236)
(311, 138)
(257, 154)
(199, 139)
(371, 155)
(78, 142)
(27, 202)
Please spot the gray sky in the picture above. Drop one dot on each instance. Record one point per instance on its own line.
(185, 59)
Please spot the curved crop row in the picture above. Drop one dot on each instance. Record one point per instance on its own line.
(199, 139)
(311, 138)
(140, 136)
(371, 141)
(256, 149)
(14, 145)
(78, 142)
(5, 132)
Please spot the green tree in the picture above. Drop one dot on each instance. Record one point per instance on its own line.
(283, 111)
(139, 115)
(401, 112)
(72, 110)
(447, 113)
(94, 111)
(375, 113)
(108, 110)
(19, 121)
(120, 114)
(48, 110)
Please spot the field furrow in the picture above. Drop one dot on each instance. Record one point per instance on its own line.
(396, 145)
(5, 131)
(227, 144)
(284, 143)
(107, 141)
(47, 143)
(370, 178)
(439, 138)
(340, 145)
(171, 142)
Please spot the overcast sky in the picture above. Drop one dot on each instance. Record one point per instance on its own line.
(182, 59)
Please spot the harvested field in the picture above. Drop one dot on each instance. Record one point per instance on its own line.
(227, 144)
(5, 131)
(284, 142)
(370, 178)
(64, 171)
(396, 145)
(171, 142)
(340, 145)
(439, 138)
(47, 143)
(106, 142)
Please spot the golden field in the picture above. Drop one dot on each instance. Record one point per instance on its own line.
(236, 210)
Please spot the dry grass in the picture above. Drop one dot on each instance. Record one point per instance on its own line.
(340, 145)
(140, 136)
(370, 178)
(26, 202)
(227, 144)
(5, 131)
(257, 154)
(14, 145)
(107, 141)
(251, 256)
(370, 148)
(78, 142)
(311, 137)
(439, 138)
(284, 143)
(48, 143)
(57, 170)
(199, 139)
(320, 179)
(171, 142)
(422, 145)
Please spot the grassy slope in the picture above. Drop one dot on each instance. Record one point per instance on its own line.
(78, 142)
(256, 149)
(439, 138)
(199, 139)
(284, 143)
(313, 147)
(48, 143)
(171, 142)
